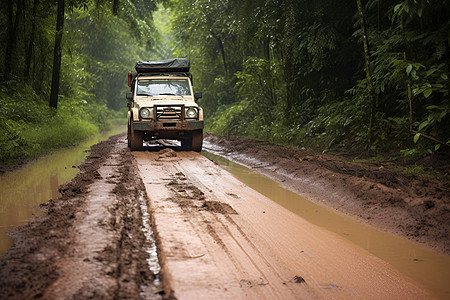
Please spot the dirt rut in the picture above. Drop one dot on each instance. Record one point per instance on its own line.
(220, 239)
(377, 194)
(88, 243)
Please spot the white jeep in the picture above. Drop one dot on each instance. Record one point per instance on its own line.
(162, 104)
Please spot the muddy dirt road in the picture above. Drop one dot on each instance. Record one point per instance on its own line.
(220, 239)
(378, 194)
(91, 242)
(216, 238)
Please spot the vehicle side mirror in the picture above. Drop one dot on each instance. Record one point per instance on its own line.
(129, 95)
(198, 95)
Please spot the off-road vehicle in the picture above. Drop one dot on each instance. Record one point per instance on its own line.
(162, 104)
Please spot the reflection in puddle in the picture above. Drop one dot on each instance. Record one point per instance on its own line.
(416, 261)
(23, 190)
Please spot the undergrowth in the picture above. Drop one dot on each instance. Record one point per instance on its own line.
(30, 128)
(335, 127)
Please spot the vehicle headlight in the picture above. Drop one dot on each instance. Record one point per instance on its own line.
(145, 113)
(192, 113)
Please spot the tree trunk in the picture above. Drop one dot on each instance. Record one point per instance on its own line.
(288, 46)
(267, 48)
(115, 7)
(367, 69)
(222, 52)
(31, 41)
(57, 55)
(11, 37)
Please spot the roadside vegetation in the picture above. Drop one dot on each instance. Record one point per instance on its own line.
(99, 42)
(365, 77)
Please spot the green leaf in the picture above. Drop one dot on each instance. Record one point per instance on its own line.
(408, 69)
(422, 125)
(427, 93)
(397, 7)
(416, 137)
(436, 148)
(444, 76)
(429, 72)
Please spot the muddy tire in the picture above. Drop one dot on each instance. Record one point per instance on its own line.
(128, 135)
(135, 138)
(197, 140)
(186, 144)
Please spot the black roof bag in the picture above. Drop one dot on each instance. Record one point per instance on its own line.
(164, 66)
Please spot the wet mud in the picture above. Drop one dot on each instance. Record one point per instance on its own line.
(376, 194)
(220, 239)
(89, 242)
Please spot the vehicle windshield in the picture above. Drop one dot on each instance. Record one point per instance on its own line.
(175, 87)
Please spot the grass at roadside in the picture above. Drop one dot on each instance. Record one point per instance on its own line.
(29, 128)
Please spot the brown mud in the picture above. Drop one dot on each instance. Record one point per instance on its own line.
(375, 193)
(220, 239)
(89, 242)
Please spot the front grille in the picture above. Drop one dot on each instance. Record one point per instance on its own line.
(169, 112)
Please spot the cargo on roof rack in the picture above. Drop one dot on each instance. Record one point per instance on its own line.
(163, 66)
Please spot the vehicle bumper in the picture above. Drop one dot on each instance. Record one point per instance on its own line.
(168, 125)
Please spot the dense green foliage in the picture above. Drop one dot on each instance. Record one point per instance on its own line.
(293, 71)
(101, 41)
(289, 71)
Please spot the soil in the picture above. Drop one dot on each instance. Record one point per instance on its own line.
(91, 242)
(375, 193)
(220, 239)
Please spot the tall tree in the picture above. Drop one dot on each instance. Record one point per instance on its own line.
(57, 55)
(31, 41)
(13, 24)
(368, 72)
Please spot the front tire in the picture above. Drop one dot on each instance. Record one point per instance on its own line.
(135, 138)
(186, 144)
(197, 141)
(129, 134)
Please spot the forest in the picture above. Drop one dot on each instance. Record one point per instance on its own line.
(363, 77)
(63, 69)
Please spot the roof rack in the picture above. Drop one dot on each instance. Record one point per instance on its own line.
(174, 65)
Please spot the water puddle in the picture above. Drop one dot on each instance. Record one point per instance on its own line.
(152, 251)
(416, 261)
(23, 190)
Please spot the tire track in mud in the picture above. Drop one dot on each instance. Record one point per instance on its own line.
(378, 194)
(190, 198)
(217, 238)
(89, 243)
